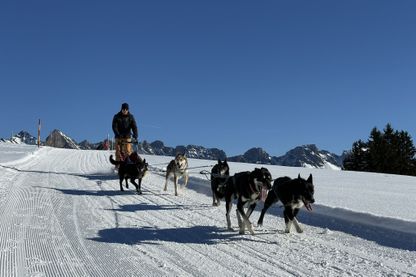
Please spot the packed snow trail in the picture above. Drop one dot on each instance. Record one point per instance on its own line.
(62, 214)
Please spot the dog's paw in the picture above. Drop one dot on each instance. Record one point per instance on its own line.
(250, 228)
(139, 192)
(299, 229)
(298, 226)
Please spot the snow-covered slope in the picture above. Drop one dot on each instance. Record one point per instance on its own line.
(62, 214)
(10, 152)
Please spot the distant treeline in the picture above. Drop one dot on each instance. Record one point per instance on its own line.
(389, 151)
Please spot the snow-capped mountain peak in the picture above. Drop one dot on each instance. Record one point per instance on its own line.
(23, 137)
(60, 140)
(310, 156)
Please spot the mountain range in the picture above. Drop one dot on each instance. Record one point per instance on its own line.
(302, 156)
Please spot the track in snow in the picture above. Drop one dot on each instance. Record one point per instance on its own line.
(62, 214)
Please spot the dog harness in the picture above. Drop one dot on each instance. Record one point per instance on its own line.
(254, 190)
(222, 186)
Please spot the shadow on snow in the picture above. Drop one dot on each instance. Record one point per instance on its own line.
(152, 207)
(93, 176)
(150, 235)
(78, 192)
(388, 232)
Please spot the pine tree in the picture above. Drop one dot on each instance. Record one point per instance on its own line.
(389, 151)
(357, 159)
(376, 150)
(406, 154)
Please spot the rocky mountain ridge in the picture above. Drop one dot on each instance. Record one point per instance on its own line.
(301, 156)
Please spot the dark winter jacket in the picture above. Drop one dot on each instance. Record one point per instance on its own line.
(123, 125)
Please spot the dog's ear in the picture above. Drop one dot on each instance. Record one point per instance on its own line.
(299, 176)
(309, 179)
(219, 161)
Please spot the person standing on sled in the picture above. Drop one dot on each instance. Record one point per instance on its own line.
(123, 125)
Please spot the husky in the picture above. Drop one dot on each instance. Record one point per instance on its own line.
(294, 194)
(219, 175)
(247, 186)
(177, 167)
(131, 168)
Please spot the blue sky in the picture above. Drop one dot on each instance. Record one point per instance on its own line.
(226, 74)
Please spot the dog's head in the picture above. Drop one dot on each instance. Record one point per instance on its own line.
(221, 168)
(262, 177)
(142, 167)
(307, 192)
(181, 161)
(135, 158)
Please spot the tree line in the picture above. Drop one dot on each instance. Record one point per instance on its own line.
(387, 151)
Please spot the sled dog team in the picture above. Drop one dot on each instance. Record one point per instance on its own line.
(246, 187)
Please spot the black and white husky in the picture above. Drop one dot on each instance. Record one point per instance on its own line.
(177, 168)
(219, 175)
(294, 194)
(247, 186)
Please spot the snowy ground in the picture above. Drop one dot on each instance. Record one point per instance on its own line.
(62, 214)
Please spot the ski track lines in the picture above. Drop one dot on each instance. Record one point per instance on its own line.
(302, 251)
(103, 260)
(62, 214)
(236, 251)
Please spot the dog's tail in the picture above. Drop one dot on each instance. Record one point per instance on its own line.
(114, 161)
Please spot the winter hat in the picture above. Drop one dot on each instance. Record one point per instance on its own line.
(125, 106)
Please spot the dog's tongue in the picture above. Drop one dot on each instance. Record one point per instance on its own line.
(308, 206)
(263, 194)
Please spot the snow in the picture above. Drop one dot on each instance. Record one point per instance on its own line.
(69, 140)
(327, 165)
(62, 214)
(10, 152)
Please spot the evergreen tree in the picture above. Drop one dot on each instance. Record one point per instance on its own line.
(376, 150)
(357, 158)
(389, 151)
(406, 154)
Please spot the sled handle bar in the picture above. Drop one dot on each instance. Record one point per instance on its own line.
(131, 142)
